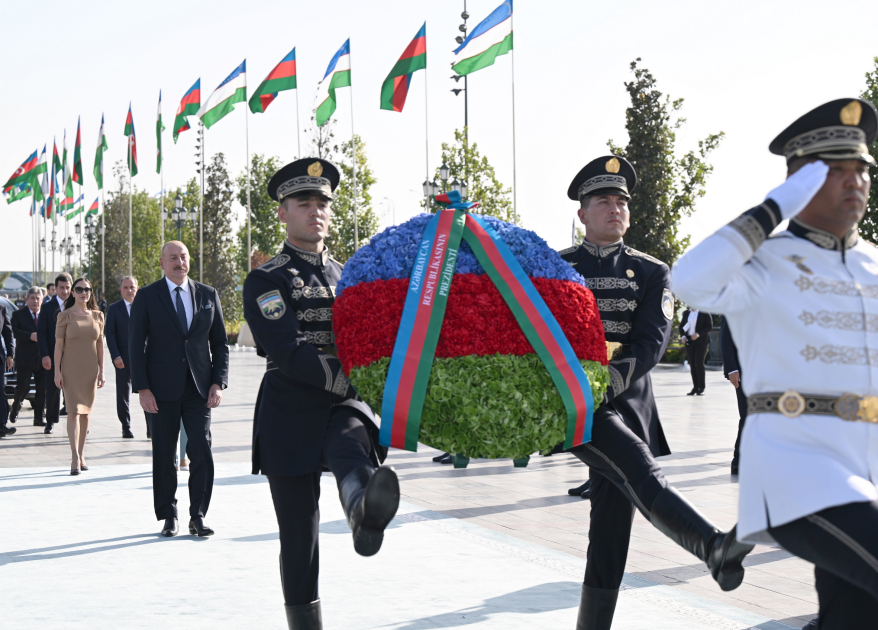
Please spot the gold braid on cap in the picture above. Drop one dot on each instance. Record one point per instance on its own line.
(602, 181)
(304, 182)
(826, 139)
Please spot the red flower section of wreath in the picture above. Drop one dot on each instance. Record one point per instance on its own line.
(477, 321)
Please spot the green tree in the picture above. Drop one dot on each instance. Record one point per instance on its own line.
(667, 186)
(466, 164)
(220, 269)
(340, 238)
(267, 233)
(869, 224)
(145, 248)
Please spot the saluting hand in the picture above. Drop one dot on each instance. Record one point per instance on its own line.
(797, 191)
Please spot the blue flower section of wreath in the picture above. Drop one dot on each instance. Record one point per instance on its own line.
(392, 252)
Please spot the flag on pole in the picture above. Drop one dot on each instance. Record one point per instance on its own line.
(77, 156)
(76, 211)
(24, 173)
(159, 128)
(93, 208)
(338, 74)
(396, 86)
(50, 197)
(67, 200)
(56, 162)
(189, 106)
(132, 142)
(222, 101)
(99, 156)
(487, 41)
(19, 191)
(283, 77)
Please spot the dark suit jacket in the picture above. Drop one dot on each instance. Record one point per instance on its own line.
(8, 338)
(27, 352)
(116, 331)
(46, 328)
(702, 326)
(730, 351)
(161, 352)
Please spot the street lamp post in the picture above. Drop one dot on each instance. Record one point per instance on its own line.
(179, 215)
(443, 175)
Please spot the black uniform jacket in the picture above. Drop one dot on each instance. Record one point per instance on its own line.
(161, 352)
(703, 325)
(730, 351)
(634, 297)
(8, 345)
(27, 351)
(288, 305)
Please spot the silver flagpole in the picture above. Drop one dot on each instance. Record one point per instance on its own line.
(201, 210)
(426, 129)
(514, 184)
(103, 230)
(298, 135)
(354, 161)
(162, 206)
(249, 183)
(130, 206)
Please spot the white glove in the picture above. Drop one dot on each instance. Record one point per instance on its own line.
(797, 191)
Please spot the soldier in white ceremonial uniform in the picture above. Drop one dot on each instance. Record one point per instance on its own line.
(803, 309)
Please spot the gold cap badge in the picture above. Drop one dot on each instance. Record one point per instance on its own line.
(613, 165)
(316, 169)
(851, 113)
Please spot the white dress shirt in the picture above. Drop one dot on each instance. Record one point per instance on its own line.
(128, 304)
(803, 309)
(60, 301)
(186, 297)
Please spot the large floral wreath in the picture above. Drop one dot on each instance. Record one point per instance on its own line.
(489, 395)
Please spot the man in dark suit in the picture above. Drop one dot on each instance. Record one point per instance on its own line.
(116, 332)
(50, 292)
(732, 371)
(695, 327)
(179, 356)
(7, 351)
(27, 357)
(46, 341)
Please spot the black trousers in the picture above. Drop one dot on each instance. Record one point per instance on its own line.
(696, 352)
(4, 402)
(23, 376)
(53, 397)
(624, 476)
(165, 429)
(123, 397)
(346, 447)
(742, 413)
(842, 544)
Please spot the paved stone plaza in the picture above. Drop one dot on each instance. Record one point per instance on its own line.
(490, 546)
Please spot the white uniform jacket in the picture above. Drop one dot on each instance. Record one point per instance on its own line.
(803, 310)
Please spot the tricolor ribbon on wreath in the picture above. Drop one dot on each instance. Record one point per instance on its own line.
(424, 311)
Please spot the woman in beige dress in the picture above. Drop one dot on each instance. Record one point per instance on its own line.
(79, 351)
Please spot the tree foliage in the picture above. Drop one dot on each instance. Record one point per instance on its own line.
(869, 224)
(219, 241)
(465, 163)
(667, 186)
(266, 231)
(340, 238)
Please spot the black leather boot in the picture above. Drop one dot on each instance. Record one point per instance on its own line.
(678, 519)
(305, 616)
(370, 499)
(596, 608)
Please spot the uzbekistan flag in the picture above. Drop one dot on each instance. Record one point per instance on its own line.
(487, 41)
(283, 77)
(340, 71)
(23, 173)
(159, 128)
(76, 211)
(19, 191)
(99, 156)
(132, 142)
(396, 86)
(77, 156)
(189, 106)
(222, 101)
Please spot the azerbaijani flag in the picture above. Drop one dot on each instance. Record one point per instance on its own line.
(189, 106)
(93, 208)
(396, 86)
(77, 156)
(50, 197)
(56, 162)
(24, 173)
(222, 101)
(340, 69)
(99, 156)
(132, 142)
(487, 41)
(283, 77)
(159, 128)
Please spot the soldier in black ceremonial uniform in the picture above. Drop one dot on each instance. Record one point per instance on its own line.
(633, 294)
(308, 417)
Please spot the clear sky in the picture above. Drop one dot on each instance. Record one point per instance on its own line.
(747, 68)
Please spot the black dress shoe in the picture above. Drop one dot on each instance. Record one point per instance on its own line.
(4, 431)
(578, 490)
(700, 392)
(734, 468)
(49, 428)
(305, 616)
(693, 392)
(370, 499)
(126, 433)
(13, 413)
(811, 625)
(446, 459)
(170, 528)
(39, 423)
(198, 528)
(439, 458)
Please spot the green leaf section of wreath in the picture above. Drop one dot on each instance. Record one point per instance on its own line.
(490, 407)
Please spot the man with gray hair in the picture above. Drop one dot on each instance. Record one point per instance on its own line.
(116, 332)
(27, 357)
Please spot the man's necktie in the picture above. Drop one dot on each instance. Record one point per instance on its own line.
(181, 311)
(35, 319)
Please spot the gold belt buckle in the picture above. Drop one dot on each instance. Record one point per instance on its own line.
(791, 404)
(612, 348)
(868, 409)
